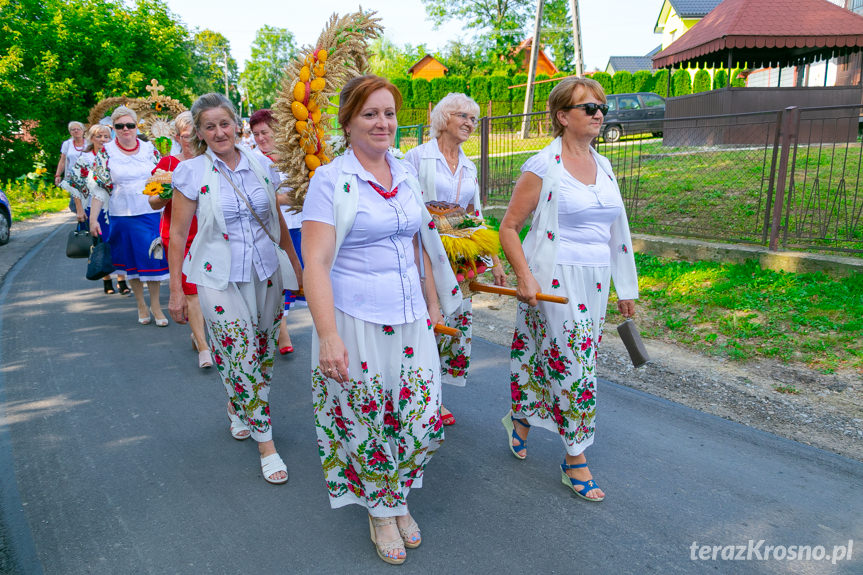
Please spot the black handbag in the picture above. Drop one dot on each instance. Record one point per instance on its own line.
(78, 241)
(99, 263)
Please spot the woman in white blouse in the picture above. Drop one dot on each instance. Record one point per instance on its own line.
(447, 175)
(579, 237)
(375, 370)
(235, 266)
(69, 151)
(120, 173)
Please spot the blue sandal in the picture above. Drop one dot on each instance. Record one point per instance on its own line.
(586, 486)
(507, 422)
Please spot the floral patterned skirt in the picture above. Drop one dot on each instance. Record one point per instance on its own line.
(553, 356)
(455, 352)
(377, 432)
(243, 321)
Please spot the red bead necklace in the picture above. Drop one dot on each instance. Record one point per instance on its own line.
(135, 149)
(385, 194)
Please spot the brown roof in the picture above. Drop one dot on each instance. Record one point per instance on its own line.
(765, 31)
(423, 60)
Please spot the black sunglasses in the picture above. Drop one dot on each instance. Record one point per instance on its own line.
(127, 125)
(590, 108)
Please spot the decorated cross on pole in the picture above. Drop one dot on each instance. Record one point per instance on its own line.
(154, 88)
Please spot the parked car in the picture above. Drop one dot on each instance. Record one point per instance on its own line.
(638, 113)
(5, 218)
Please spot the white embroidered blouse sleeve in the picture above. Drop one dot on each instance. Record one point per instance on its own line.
(623, 270)
(185, 178)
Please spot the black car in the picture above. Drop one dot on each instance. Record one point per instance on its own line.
(637, 113)
(5, 218)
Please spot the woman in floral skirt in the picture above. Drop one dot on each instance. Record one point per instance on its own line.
(375, 367)
(579, 239)
(447, 174)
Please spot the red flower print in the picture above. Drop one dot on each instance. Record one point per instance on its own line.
(269, 283)
(558, 416)
(554, 353)
(624, 249)
(267, 410)
(538, 372)
(205, 189)
(429, 323)
(388, 406)
(351, 474)
(84, 172)
(370, 406)
(586, 344)
(598, 286)
(515, 392)
(238, 389)
(437, 424)
(550, 235)
(227, 341)
(379, 457)
(347, 188)
(409, 351)
(208, 266)
(388, 329)
(432, 225)
(555, 284)
(557, 158)
(364, 366)
(585, 395)
(582, 308)
(225, 236)
(218, 359)
(405, 393)
(391, 421)
(517, 344)
(454, 290)
(549, 197)
(219, 309)
(459, 362)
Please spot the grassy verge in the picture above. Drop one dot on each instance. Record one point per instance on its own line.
(30, 198)
(740, 311)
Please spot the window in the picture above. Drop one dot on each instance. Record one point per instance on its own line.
(652, 101)
(612, 103)
(629, 103)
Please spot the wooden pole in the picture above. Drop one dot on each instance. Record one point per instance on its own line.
(476, 286)
(531, 71)
(576, 38)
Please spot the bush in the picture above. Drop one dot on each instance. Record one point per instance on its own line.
(456, 84)
(540, 93)
(737, 81)
(404, 86)
(660, 83)
(642, 81)
(720, 79)
(439, 88)
(622, 82)
(702, 82)
(420, 93)
(605, 81)
(516, 95)
(681, 83)
(479, 89)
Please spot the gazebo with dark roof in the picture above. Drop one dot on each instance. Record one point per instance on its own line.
(766, 33)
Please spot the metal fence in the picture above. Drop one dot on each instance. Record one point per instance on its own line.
(789, 179)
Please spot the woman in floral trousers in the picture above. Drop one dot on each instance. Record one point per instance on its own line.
(579, 239)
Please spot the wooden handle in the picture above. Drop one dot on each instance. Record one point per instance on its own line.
(445, 330)
(476, 286)
(297, 292)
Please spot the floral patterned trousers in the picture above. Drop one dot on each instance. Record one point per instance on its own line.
(243, 322)
(377, 432)
(553, 356)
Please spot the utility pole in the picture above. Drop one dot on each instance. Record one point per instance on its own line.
(531, 72)
(225, 52)
(576, 38)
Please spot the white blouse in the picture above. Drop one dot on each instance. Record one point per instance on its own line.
(585, 215)
(374, 274)
(68, 148)
(457, 188)
(129, 175)
(250, 245)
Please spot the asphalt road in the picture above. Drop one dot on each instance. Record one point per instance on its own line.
(115, 457)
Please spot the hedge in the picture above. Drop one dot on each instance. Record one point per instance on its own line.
(605, 81)
(479, 89)
(720, 79)
(681, 82)
(642, 81)
(736, 80)
(701, 82)
(421, 93)
(660, 83)
(622, 82)
(404, 86)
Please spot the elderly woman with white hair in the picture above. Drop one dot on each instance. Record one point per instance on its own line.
(182, 133)
(70, 150)
(446, 174)
(120, 173)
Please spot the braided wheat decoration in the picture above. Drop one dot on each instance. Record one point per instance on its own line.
(315, 76)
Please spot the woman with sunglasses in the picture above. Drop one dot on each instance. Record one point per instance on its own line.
(578, 239)
(120, 174)
(446, 174)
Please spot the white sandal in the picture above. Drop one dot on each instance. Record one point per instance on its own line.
(205, 359)
(238, 427)
(272, 464)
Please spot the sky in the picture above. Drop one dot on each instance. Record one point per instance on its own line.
(608, 27)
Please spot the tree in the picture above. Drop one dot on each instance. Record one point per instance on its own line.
(681, 82)
(622, 82)
(499, 24)
(59, 57)
(210, 50)
(642, 81)
(390, 61)
(272, 50)
(701, 83)
(557, 34)
(720, 79)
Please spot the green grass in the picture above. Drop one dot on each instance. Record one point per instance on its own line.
(30, 198)
(741, 312)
